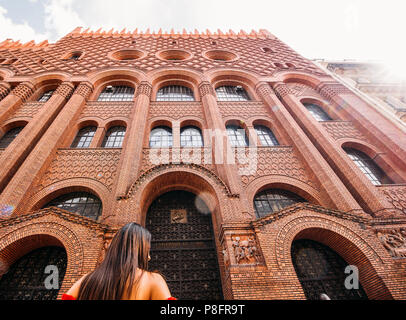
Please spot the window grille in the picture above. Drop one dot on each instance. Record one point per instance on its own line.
(318, 113)
(161, 137)
(273, 200)
(266, 136)
(114, 137)
(117, 93)
(46, 96)
(191, 137)
(84, 138)
(237, 136)
(232, 93)
(175, 93)
(8, 138)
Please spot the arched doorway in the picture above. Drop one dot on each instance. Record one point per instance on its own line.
(183, 247)
(25, 280)
(321, 270)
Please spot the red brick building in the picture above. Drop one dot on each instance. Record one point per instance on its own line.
(258, 175)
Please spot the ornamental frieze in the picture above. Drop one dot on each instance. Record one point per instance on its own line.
(394, 240)
(106, 110)
(246, 250)
(396, 195)
(243, 110)
(343, 129)
(27, 110)
(176, 110)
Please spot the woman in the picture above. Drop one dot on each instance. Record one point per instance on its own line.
(123, 273)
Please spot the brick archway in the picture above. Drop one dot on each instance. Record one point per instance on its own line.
(346, 240)
(25, 239)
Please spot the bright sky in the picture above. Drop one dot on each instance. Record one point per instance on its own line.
(330, 29)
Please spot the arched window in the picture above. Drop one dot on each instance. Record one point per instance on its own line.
(114, 137)
(273, 200)
(237, 136)
(10, 135)
(191, 137)
(46, 96)
(161, 137)
(117, 93)
(83, 203)
(266, 136)
(232, 93)
(84, 138)
(317, 112)
(175, 93)
(368, 167)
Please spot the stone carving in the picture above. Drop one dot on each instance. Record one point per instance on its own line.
(245, 250)
(23, 90)
(65, 89)
(396, 195)
(99, 164)
(178, 216)
(394, 240)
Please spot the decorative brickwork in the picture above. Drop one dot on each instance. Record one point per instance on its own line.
(330, 90)
(394, 240)
(281, 90)
(176, 110)
(206, 88)
(243, 110)
(343, 129)
(396, 195)
(144, 88)
(65, 90)
(23, 90)
(107, 110)
(84, 89)
(4, 90)
(100, 165)
(27, 110)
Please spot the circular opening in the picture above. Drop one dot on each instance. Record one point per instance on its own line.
(127, 55)
(220, 55)
(174, 55)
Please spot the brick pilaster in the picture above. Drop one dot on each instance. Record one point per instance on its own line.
(17, 189)
(4, 89)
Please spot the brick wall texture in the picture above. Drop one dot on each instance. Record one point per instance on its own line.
(365, 224)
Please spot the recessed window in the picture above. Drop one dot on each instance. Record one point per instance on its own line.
(114, 137)
(232, 93)
(175, 93)
(83, 203)
(117, 93)
(174, 55)
(237, 136)
(317, 112)
(191, 137)
(161, 137)
(46, 96)
(84, 138)
(273, 200)
(368, 167)
(9, 137)
(267, 50)
(266, 136)
(127, 54)
(220, 55)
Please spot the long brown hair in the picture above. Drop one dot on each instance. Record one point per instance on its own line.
(116, 275)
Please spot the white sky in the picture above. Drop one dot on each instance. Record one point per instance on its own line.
(331, 29)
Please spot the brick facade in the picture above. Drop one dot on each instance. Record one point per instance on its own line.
(345, 211)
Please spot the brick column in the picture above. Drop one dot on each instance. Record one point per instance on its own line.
(220, 145)
(36, 163)
(132, 148)
(19, 149)
(363, 190)
(4, 89)
(339, 196)
(14, 99)
(98, 138)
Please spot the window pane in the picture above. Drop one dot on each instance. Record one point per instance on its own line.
(46, 96)
(117, 93)
(191, 137)
(114, 137)
(8, 138)
(274, 200)
(84, 138)
(231, 93)
(237, 136)
(85, 204)
(317, 112)
(161, 137)
(266, 136)
(175, 93)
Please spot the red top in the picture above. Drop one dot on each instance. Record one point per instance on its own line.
(69, 297)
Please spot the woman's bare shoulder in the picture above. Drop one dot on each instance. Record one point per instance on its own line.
(74, 291)
(157, 284)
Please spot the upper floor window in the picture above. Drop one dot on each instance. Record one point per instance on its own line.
(237, 136)
(317, 112)
(114, 137)
(117, 93)
(83, 203)
(46, 96)
(10, 135)
(232, 93)
(266, 136)
(175, 93)
(273, 200)
(368, 167)
(191, 137)
(84, 138)
(161, 137)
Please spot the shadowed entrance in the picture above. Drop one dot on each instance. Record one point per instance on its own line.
(183, 247)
